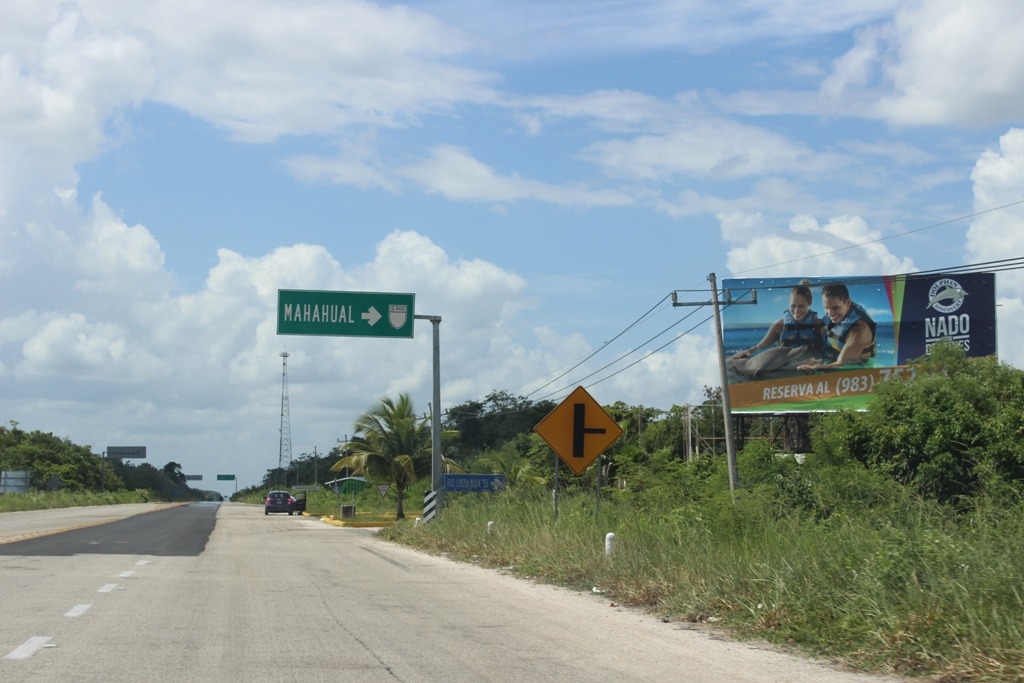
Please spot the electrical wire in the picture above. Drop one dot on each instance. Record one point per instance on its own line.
(654, 351)
(599, 349)
(887, 237)
(629, 353)
(1001, 265)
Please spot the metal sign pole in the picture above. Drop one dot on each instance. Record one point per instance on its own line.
(435, 426)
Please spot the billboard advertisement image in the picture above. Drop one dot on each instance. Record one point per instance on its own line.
(813, 344)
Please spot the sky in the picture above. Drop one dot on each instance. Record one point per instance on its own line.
(541, 175)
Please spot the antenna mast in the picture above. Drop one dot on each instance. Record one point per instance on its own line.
(284, 458)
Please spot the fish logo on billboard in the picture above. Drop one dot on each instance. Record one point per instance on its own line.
(945, 296)
(398, 315)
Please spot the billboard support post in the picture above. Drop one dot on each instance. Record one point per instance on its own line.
(730, 442)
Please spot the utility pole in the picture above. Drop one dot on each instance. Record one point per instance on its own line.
(730, 442)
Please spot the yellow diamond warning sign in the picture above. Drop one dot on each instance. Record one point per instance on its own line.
(578, 430)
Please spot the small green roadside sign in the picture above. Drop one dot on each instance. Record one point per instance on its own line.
(345, 314)
(225, 477)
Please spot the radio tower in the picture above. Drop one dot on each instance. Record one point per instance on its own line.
(284, 458)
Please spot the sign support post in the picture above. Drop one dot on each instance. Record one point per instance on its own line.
(576, 438)
(435, 408)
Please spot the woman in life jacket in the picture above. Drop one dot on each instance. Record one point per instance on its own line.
(790, 340)
(849, 334)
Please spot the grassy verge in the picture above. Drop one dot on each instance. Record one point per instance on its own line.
(36, 500)
(907, 587)
(368, 504)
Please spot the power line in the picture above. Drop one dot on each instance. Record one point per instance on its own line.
(629, 353)
(653, 351)
(598, 350)
(886, 238)
(1000, 265)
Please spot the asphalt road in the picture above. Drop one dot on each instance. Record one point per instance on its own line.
(210, 592)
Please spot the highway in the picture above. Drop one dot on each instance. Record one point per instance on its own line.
(220, 592)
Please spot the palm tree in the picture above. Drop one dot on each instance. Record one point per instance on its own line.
(518, 471)
(389, 443)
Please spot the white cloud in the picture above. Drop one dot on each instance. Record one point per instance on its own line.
(286, 70)
(454, 173)
(58, 95)
(341, 170)
(999, 234)
(706, 148)
(622, 110)
(938, 62)
(70, 346)
(843, 246)
(998, 178)
(311, 68)
(113, 257)
(530, 29)
(207, 362)
(100, 340)
(60, 90)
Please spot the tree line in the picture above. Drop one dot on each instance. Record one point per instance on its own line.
(955, 431)
(58, 463)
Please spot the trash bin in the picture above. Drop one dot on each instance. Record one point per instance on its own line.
(348, 511)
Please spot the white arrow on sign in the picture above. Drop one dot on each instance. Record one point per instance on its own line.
(371, 316)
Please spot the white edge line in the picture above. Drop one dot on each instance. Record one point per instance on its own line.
(29, 647)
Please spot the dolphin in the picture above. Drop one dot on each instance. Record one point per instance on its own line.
(774, 359)
(950, 293)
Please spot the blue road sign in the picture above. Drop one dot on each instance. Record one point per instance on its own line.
(472, 483)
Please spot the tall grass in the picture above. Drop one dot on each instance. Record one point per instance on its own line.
(906, 586)
(45, 500)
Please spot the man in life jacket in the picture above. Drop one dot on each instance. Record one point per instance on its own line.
(849, 334)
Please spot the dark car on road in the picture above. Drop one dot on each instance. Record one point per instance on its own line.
(279, 501)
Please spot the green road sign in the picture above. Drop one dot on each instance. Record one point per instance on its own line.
(345, 314)
(126, 451)
(225, 477)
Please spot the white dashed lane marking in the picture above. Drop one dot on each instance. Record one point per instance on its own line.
(77, 610)
(29, 647)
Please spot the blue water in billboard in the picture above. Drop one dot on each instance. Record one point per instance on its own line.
(740, 338)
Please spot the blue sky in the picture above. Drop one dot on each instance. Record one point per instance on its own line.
(540, 174)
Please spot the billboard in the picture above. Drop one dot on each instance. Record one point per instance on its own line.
(858, 332)
(15, 481)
